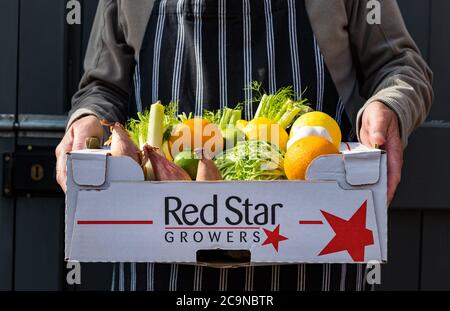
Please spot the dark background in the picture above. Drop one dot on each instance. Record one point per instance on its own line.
(40, 65)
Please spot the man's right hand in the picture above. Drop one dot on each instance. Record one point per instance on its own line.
(75, 139)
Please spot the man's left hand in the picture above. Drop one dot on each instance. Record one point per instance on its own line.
(379, 126)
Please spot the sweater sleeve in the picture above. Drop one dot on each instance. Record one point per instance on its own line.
(106, 85)
(391, 68)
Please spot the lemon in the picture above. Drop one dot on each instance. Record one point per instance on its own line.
(241, 124)
(266, 130)
(300, 155)
(316, 123)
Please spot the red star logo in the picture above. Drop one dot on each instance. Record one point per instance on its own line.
(274, 237)
(351, 235)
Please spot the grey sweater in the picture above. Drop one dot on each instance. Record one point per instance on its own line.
(368, 62)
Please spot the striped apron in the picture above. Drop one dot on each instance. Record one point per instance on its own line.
(203, 54)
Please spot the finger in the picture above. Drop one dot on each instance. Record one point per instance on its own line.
(394, 151)
(61, 171)
(377, 126)
(61, 155)
(364, 137)
(79, 142)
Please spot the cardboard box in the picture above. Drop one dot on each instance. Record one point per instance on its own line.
(338, 215)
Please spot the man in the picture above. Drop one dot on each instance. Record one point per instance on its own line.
(203, 54)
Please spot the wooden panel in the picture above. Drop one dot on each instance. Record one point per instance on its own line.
(417, 19)
(402, 270)
(39, 244)
(439, 58)
(8, 55)
(436, 251)
(42, 57)
(6, 227)
(39, 229)
(426, 169)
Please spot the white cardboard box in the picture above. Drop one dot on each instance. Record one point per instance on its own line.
(338, 216)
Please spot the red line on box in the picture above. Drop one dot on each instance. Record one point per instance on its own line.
(310, 222)
(115, 222)
(212, 228)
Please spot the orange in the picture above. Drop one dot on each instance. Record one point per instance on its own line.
(193, 134)
(267, 130)
(300, 155)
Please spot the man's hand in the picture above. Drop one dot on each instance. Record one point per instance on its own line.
(380, 127)
(75, 139)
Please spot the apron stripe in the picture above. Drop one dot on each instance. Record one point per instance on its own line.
(249, 278)
(198, 275)
(225, 282)
(150, 277)
(247, 59)
(222, 54)
(301, 275)
(121, 277)
(194, 287)
(173, 277)
(275, 278)
(113, 280)
(178, 53)
(343, 277)
(293, 40)
(223, 279)
(363, 281)
(138, 104)
(198, 57)
(320, 76)
(133, 277)
(328, 267)
(157, 49)
(137, 87)
(270, 45)
(200, 279)
(358, 278)
(339, 111)
(325, 277)
(361, 276)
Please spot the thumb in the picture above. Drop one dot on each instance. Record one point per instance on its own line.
(85, 128)
(376, 127)
(377, 132)
(79, 141)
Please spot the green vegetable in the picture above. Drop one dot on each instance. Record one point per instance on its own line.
(170, 119)
(235, 116)
(279, 107)
(212, 117)
(138, 128)
(156, 126)
(232, 136)
(187, 161)
(251, 160)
